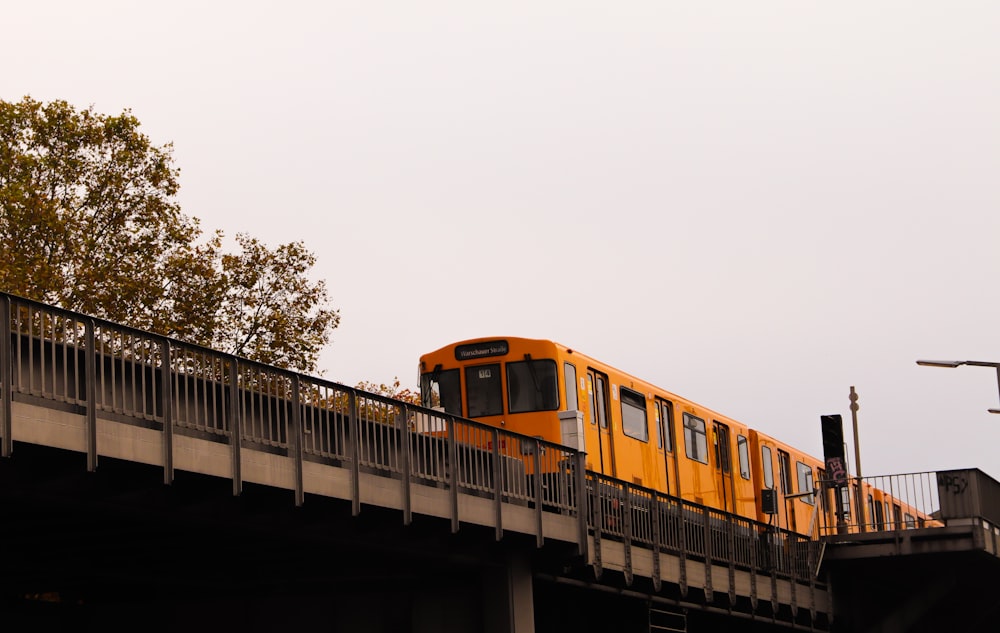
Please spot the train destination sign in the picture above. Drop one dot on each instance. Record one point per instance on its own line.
(481, 350)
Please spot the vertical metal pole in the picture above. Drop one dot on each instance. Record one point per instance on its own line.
(626, 509)
(655, 517)
(598, 524)
(539, 538)
(707, 527)
(166, 400)
(300, 494)
(6, 381)
(91, 373)
(355, 426)
(497, 485)
(862, 521)
(453, 475)
(582, 503)
(404, 433)
(235, 425)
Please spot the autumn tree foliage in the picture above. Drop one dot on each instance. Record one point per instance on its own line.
(395, 390)
(89, 221)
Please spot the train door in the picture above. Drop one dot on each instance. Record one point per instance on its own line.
(785, 478)
(724, 466)
(665, 444)
(597, 393)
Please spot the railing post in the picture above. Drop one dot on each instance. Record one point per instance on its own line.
(654, 515)
(497, 485)
(709, 590)
(682, 546)
(300, 494)
(453, 475)
(598, 524)
(355, 426)
(6, 381)
(539, 537)
(404, 454)
(235, 425)
(582, 503)
(91, 374)
(167, 400)
(626, 509)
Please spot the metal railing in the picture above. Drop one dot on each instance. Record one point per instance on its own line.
(91, 365)
(883, 503)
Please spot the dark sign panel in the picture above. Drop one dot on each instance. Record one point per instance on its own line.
(481, 350)
(833, 448)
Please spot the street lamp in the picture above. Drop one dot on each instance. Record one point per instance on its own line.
(951, 364)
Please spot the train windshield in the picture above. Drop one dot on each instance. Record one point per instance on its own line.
(442, 390)
(483, 390)
(532, 385)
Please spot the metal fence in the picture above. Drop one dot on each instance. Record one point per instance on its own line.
(138, 377)
(884, 503)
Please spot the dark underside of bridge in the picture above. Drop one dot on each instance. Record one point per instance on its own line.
(116, 547)
(956, 591)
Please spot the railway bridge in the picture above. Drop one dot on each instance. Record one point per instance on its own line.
(152, 482)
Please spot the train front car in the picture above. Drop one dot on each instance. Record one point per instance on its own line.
(625, 426)
(509, 383)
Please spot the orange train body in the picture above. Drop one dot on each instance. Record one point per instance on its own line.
(640, 433)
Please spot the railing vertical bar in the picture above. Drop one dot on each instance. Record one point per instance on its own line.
(539, 536)
(31, 353)
(453, 475)
(709, 591)
(582, 503)
(654, 514)
(300, 495)
(6, 380)
(404, 456)
(168, 418)
(626, 509)
(497, 485)
(355, 439)
(235, 424)
(65, 358)
(598, 505)
(91, 371)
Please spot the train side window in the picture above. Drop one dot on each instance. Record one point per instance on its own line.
(911, 521)
(879, 517)
(532, 385)
(482, 390)
(634, 423)
(805, 476)
(823, 490)
(742, 448)
(591, 400)
(664, 426)
(695, 439)
(765, 455)
(602, 411)
(845, 503)
(569, 381)
(785, 472)
(442, 390)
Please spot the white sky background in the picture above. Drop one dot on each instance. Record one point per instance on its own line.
(753, 204)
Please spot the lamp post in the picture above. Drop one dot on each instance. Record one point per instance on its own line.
(951, 364)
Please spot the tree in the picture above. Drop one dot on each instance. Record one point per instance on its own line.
(90, 222)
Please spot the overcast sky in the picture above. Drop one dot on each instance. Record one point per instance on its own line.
(754, 204)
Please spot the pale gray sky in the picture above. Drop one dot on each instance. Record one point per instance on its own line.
(755, 204)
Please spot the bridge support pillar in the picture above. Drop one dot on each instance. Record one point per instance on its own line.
(508, 600)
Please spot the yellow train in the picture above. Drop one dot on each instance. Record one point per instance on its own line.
(638, 432)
